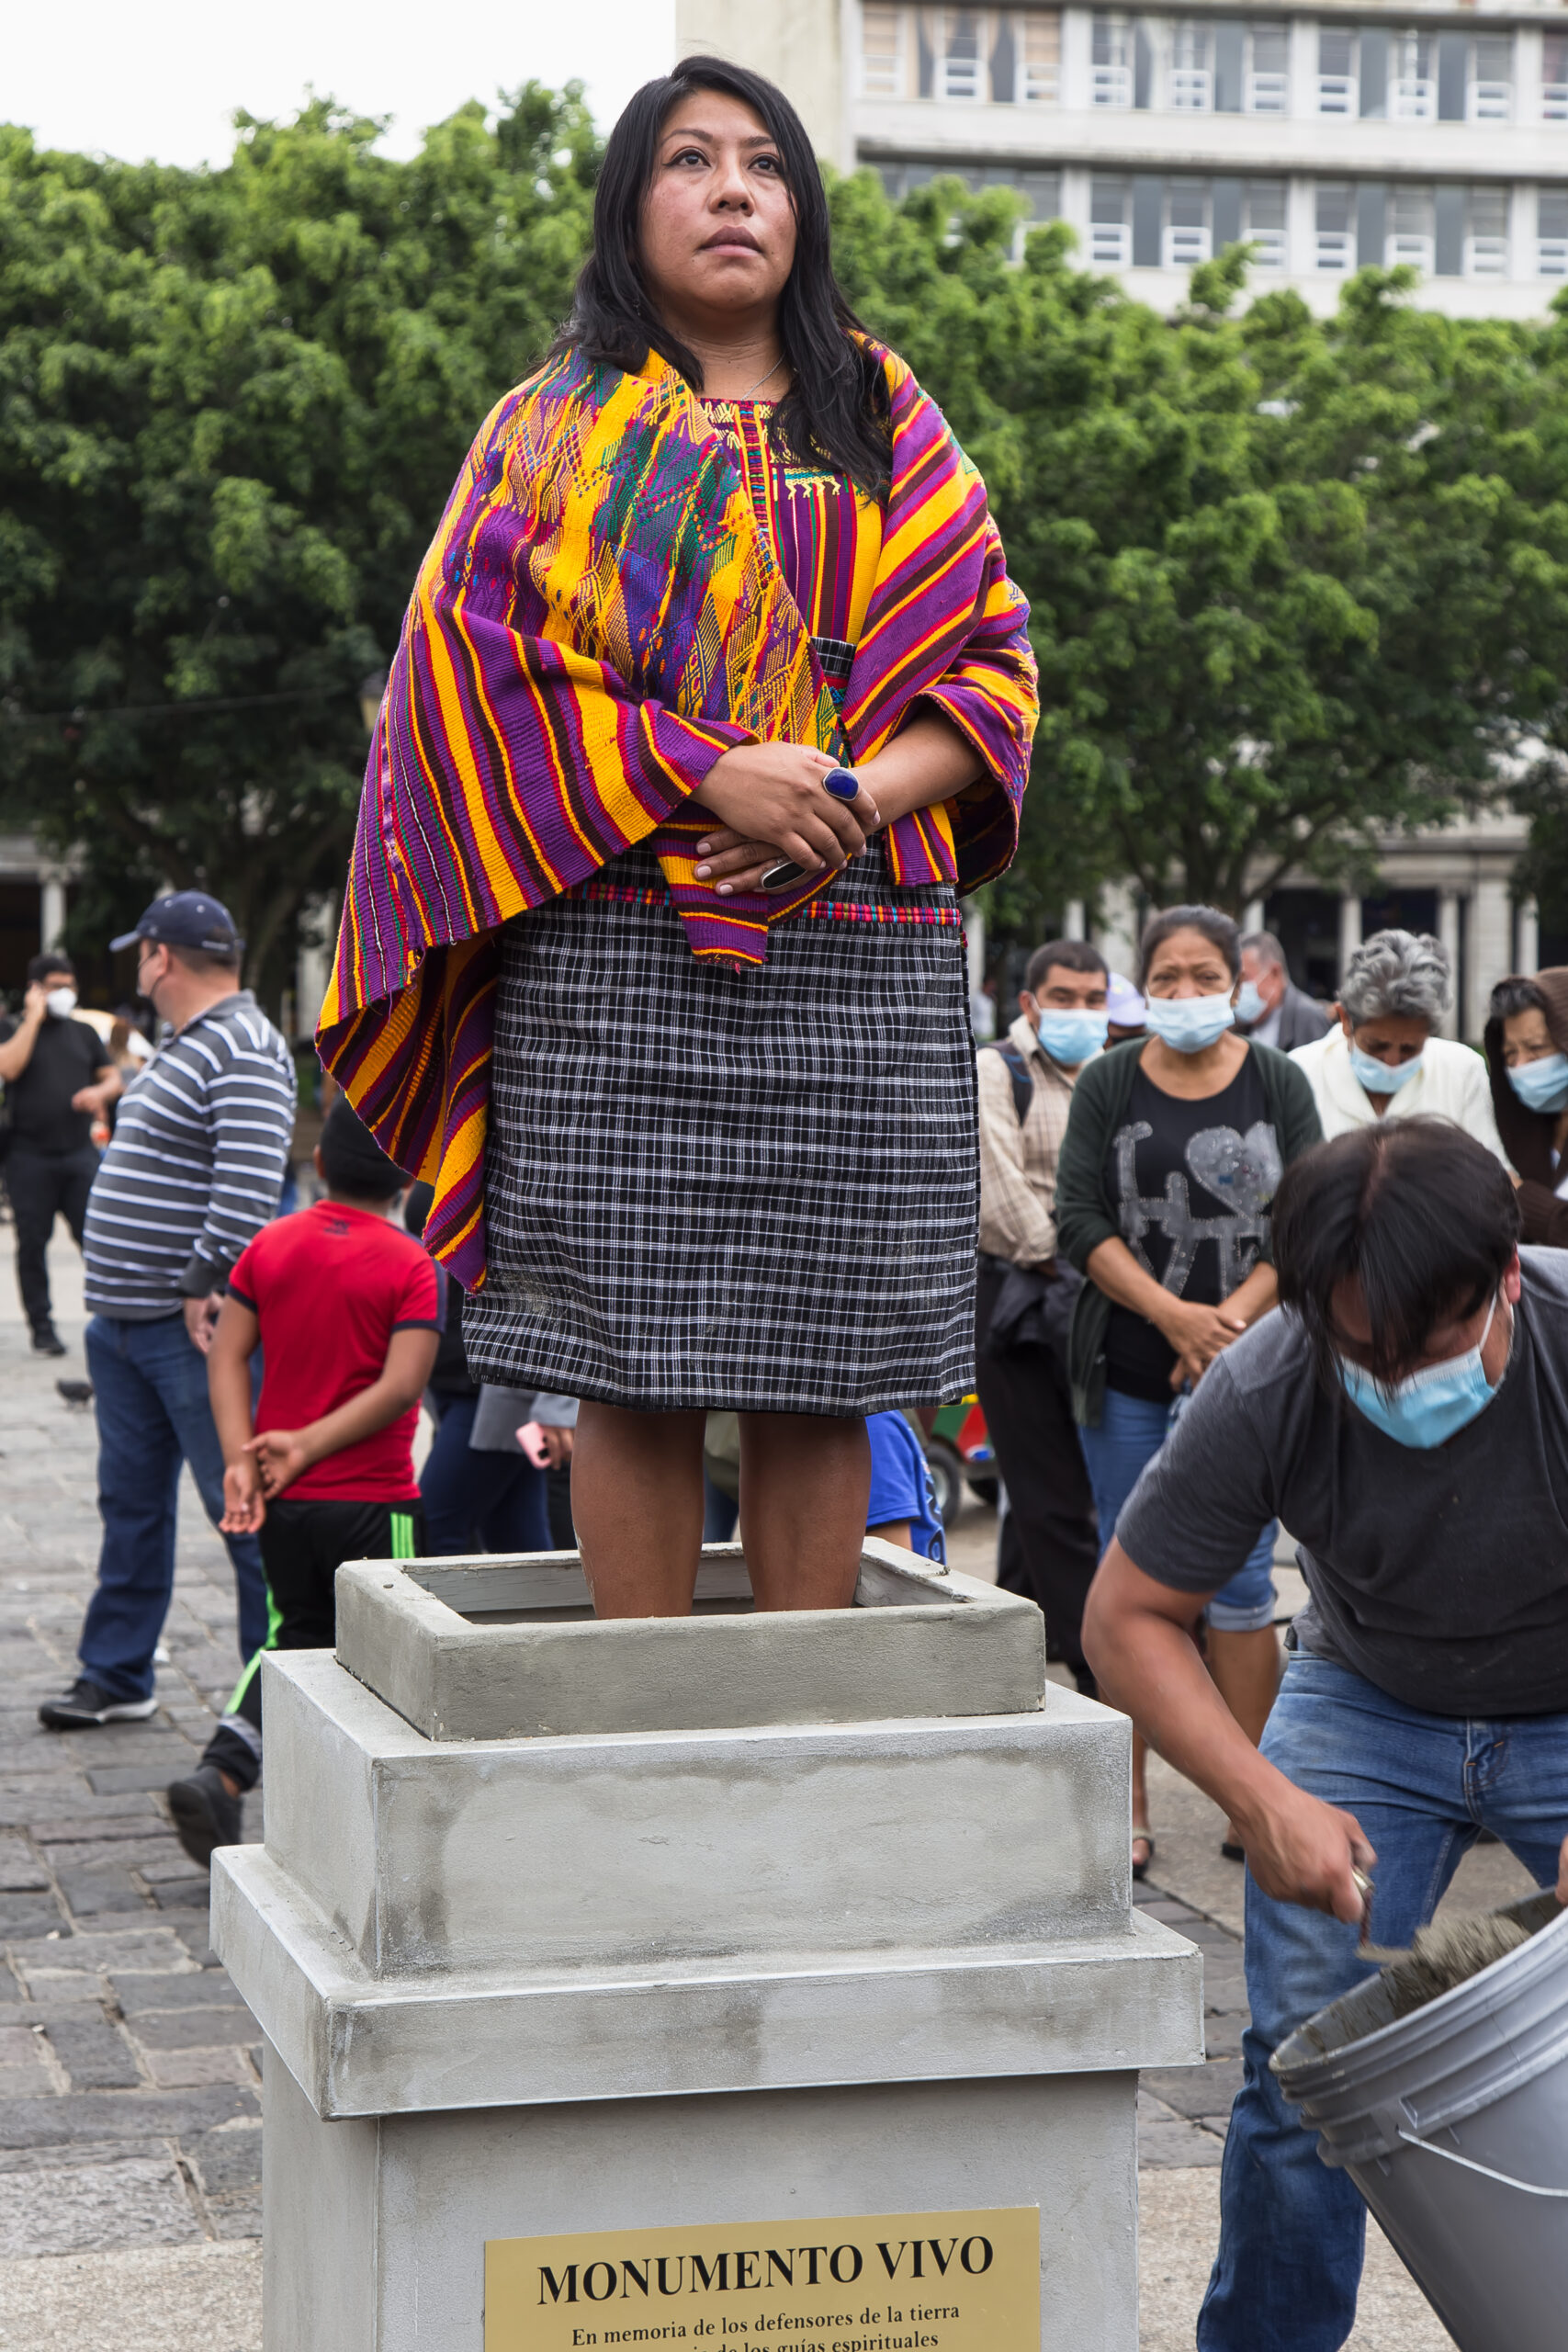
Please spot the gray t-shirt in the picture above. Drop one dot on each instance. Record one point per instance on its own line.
(1441, 1577)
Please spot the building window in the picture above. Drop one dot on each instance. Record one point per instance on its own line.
(959, 57)
(1038, 57)
(1188, 224)
(1336, 86)
(1267, 69)
(1110, 224)
(1411, 85)
(884, 70)
(1552, 233)
(1408, 237)
(1336, 247)
(1263, 203)
(1486, 233)
(1192, 83)
(1554, 77)
(1489, 95)
(1111, 62)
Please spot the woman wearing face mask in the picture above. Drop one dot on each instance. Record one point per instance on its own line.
(1527, 1062)
(1383, 1061)
(1173, 1151)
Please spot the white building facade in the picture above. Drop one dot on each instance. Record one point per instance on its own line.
(1329, 138)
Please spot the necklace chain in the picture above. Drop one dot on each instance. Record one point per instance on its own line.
(762, 380)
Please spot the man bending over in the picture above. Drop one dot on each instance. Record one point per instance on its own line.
(1406, 1415)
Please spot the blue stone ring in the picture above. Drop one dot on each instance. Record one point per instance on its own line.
(842, 782)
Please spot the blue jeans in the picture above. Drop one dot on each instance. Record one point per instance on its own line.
(150, 1391)
(1131, 1430)
(1292, 2230)
(498, 1501)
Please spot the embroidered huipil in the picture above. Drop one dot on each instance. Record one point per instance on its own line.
(826, 536)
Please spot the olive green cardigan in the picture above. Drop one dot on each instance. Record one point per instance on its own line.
(1086, 1214)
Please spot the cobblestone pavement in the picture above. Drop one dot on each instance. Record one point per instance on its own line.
(129, 2113)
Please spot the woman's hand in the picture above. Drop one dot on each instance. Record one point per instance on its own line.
(1197, 1334)
(771, 803)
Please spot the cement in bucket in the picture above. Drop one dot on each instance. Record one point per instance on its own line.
(1453, 2121)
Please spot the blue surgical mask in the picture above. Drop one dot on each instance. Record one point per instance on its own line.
(1428, 1406)
(1542, 1085)
(1189, 1024)
(1249, 1004)
(1072, 1036)
(1381, 1078)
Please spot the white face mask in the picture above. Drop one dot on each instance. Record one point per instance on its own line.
(61, 1003)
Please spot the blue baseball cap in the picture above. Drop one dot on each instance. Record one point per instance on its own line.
(184, 919)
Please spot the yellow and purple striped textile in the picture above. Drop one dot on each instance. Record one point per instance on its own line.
(599, 619)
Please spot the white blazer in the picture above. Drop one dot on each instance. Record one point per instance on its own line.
(1451, 1084)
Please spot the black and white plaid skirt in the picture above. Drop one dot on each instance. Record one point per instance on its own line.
(754, 1190)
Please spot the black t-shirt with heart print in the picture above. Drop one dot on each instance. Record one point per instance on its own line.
(1194, 1185)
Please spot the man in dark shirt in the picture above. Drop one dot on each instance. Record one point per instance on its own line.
(58, 1080)
(1405, 1415)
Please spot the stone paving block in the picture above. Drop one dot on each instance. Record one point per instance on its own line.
(114, 1780)
(17, 2045)
(109, 2115)
(226, 2160)
(201, 1988)
(20, 1870)
(185, 1894)
(27, 1918)
(185, 2069)
(203, 2028)
(31, 2081)
(138, 2200)
(92, 1893)
(1197, 2090)
(94, 2056)
(114, 1817)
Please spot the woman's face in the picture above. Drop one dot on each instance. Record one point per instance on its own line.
(1388, 1037)
(1526, 1037)
(717, 230)
(1189, 965)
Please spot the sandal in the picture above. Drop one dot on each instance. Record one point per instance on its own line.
(1142, 1836)
(1231, 1851)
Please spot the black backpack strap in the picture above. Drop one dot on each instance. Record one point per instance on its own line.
(1018, 1071)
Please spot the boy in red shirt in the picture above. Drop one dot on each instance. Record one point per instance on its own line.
(346, 1309)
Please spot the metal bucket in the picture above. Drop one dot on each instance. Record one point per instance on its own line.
(1453, 2123)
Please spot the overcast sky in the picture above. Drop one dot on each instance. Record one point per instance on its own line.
(162, 79)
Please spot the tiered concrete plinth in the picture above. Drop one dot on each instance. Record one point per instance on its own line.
(562, 1928)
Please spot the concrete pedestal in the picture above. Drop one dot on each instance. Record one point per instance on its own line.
(639, 1974)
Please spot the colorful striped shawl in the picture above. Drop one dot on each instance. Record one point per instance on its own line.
(598, 621)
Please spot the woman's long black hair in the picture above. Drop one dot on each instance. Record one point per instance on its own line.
(837, 403)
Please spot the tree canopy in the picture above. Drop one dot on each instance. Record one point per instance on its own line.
(1294, 582)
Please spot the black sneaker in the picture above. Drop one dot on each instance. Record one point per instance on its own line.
(206, 1815)
(47, 1341)
(85, 1705)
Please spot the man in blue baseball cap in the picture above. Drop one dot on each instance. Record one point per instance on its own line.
(192, 1173)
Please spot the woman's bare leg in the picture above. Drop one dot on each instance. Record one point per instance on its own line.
(805, 1485)
(636, 1503)
(1141, 1800)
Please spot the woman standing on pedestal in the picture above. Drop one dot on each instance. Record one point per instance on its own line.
(701, 1127)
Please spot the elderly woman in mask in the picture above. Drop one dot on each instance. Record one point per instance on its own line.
(1526, 1059)
(1384, 1059)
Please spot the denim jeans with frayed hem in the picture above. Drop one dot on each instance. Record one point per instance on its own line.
(149, 1392)
(1292, 2229)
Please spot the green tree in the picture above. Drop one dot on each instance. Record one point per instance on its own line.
(1292, 583)
(231, 406)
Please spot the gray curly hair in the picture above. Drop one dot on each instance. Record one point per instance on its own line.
(1397, 972)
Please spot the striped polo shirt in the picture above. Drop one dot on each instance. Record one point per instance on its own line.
(195, 1166)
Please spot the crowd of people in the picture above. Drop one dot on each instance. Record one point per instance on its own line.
(652, 953)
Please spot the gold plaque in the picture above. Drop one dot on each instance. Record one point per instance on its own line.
(863, 2282)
